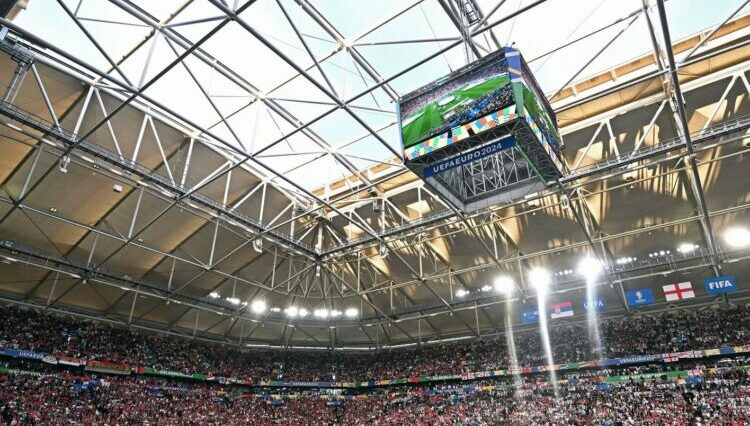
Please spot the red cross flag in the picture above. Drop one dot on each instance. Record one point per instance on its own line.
(679, 291)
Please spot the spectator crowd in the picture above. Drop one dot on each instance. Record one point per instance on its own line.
(635, 335)
(723, 398)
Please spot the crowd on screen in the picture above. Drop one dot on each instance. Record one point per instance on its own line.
(635, 335)
(723, 398)
(476, 76)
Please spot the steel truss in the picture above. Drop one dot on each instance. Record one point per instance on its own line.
(316, 211)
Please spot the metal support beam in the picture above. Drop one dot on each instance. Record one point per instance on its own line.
(691, 157)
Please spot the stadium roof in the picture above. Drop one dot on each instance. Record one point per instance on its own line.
(225, 153)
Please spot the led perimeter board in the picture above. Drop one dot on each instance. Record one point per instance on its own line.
(487, 115)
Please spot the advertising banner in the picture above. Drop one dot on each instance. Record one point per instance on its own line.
(20, 353)
(599, 304)
(719, 285)
(108, 367)
(530, 315)
(72, 361)
(640, 297)
(469, 156)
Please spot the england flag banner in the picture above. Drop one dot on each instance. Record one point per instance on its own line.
(561, 309)
(722, 284)
(640, 297)
(679, 291)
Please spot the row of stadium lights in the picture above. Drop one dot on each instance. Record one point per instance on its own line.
(589, 267)
(539, 278)
(259, 307)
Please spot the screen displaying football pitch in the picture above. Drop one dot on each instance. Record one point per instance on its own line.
(457, 101)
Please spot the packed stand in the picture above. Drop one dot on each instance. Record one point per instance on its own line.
(28, 398)
(637, 335)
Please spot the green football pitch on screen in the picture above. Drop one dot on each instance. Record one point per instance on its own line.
(422, 123)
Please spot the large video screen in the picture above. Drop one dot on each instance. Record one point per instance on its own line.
(464, 96)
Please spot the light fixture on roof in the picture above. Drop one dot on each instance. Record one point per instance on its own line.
(335, 313)
(233, 300)
(589, 267)
(64, 162)
(351, 312)
(737, 237)
(540, 279)
(291, 311)
(258, 245)
(321, 313)
(258, 306)
(686, 248)
(275, 309)
(461, 293)
(53, 209)
(626, 260)
(302, 312)
(486, 288)
(504, 284)
(564, 201)
(214, 295)
(383, 251)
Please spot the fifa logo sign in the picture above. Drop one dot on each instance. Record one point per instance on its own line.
(722, 284)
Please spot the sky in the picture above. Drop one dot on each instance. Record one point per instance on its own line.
(255, 126)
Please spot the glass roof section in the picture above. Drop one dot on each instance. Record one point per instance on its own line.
(307, 88)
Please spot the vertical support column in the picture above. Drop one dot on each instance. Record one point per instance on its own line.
(47, 102)
(132, 306)
(37, 154)
(188, 158)
(52, 291)
(84, 108)
(476, 317)
(135, 213)
(171, 274)
(195, 325)
(19, 74)
(93, 248)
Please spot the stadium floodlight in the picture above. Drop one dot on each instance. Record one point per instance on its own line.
(589, 267)
(320, 313)
(540, 279)
(302, 312)
(737, 237)
(351, 312)
(335, 313)
(461, 293)
(686, 248)
(291, 311)
(383, 251)
(486, 288)
(275, 309)
(214, 295)
(233, 300)
(258, 306)
(504, 285)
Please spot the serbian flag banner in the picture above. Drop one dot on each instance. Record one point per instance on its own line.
(561, 309)
(679, 291)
